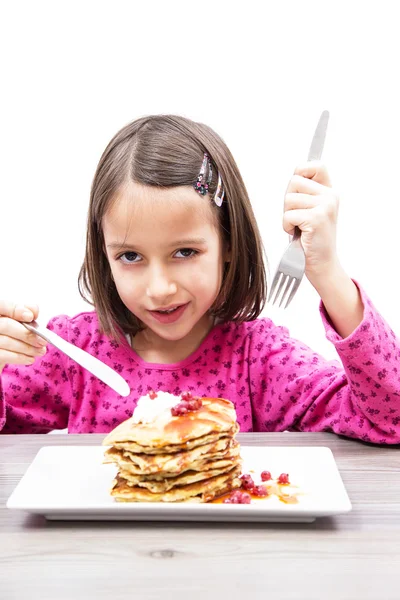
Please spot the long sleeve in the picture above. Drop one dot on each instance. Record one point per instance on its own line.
(294, 388)
(35, 398)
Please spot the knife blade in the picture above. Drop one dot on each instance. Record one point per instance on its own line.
(83, 358)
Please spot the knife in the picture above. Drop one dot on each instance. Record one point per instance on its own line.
(83, 358)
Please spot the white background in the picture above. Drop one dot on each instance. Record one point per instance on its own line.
(259, 73)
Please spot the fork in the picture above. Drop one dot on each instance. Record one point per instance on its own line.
(291, 268)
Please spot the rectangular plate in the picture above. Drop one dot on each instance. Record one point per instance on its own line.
(72, 483)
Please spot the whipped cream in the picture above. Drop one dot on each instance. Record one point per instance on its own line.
(148, 410)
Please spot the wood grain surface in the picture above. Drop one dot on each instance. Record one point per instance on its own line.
(351, 557)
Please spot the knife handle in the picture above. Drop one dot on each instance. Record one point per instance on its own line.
(32, 326)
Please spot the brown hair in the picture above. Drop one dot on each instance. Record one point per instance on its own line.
(167, 151)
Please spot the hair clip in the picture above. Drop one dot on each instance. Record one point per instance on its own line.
(220, 193)
(202, 188)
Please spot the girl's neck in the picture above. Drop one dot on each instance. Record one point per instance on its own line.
(154, 349)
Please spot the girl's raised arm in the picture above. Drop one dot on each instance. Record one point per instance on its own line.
(312, 205)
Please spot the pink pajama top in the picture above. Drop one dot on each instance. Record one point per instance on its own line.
(276, 382)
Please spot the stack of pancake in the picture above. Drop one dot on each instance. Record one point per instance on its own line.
(193, 457)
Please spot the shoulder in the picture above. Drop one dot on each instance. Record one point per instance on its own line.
(236, 343)
(84, 331)
(80, 326)
(248, 331)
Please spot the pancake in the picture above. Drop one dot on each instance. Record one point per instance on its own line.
(189, 445)
(172, 464)
(215, 417)
(201, 491)
(166, 484)
(175, 449)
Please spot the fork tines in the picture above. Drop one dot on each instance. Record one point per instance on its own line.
(285, 285)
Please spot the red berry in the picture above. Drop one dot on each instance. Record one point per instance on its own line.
(283, 478)
(266, 476)
(238, 497)
(179, 410)
(259, 490)
(186, 406)
(194, 404)
(247, 482)
(246, 498)
(186, 395)
(235, 498)
(152, 394)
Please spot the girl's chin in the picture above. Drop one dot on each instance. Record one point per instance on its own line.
(176, 329)
(172, 331)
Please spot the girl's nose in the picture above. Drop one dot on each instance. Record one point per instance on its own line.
(160, 286)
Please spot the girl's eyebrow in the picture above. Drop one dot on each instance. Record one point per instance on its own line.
(199, 241)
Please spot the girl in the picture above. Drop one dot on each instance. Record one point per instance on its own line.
(174, 269)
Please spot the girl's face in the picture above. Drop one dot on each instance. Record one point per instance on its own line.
(165, 253)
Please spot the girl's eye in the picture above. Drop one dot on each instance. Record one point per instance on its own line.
(128, 257)
(187, 252)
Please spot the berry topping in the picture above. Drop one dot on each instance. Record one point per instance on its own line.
(238, 497)
(247, 482)
(186, 406)
(283, 478)
(259, 490)
(266, 476)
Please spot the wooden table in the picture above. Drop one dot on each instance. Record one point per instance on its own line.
(354, 556)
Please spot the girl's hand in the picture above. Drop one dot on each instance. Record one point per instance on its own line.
(18, 346)
(312, 205)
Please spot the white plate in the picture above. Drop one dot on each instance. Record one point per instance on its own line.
(71, 482)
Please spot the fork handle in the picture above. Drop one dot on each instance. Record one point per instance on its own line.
(296, 234)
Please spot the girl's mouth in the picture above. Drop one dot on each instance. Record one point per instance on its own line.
(170, 316)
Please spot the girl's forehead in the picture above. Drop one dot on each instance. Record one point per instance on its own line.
(138, 209)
